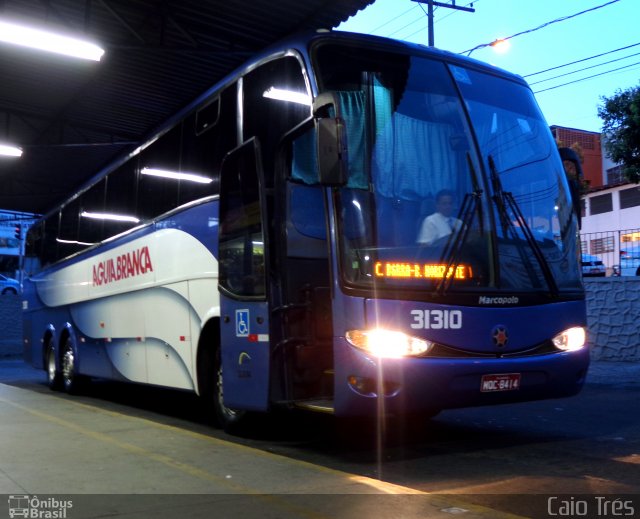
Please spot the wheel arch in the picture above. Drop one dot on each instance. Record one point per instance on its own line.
(49, 340)
(208, 342)
(68, 331)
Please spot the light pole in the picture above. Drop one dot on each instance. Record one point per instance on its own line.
(431, 3)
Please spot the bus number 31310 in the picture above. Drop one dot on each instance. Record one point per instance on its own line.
(436, 319)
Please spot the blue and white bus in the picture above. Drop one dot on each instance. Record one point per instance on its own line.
(265, 247)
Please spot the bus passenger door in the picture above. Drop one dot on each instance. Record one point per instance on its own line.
(306, 350)
(244, 322)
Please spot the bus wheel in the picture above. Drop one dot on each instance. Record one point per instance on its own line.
(227, 418)
(53, 375)
(71, 381)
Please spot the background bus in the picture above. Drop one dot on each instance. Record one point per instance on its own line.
(262, 248)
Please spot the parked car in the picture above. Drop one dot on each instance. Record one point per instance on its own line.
(630, 262)
(9, 285)
(592, 266)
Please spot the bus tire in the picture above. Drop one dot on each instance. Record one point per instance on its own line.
(54, 378)
(71, 381)
(229, 419)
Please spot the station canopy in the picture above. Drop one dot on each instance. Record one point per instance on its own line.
(71, 117)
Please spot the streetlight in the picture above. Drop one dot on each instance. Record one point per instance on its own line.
(501, 45)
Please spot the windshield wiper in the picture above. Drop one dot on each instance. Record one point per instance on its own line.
(456, 241)
(505, 201)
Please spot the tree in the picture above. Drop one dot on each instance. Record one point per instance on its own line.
(621, 128)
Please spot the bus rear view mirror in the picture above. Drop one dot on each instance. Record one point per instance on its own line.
(574, 178)
(570, 155)
(332, 151)
(332, 139)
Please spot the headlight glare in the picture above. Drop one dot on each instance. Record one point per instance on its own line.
(572, 339)
(388, 343)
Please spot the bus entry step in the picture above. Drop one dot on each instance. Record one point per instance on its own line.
(319, 406)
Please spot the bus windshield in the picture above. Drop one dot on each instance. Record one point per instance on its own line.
(453, 182)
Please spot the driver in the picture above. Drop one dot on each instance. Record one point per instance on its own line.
(441, 223)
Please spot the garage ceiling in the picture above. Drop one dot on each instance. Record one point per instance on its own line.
(72, 116)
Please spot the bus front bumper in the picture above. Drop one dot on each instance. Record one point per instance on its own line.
(368, 386)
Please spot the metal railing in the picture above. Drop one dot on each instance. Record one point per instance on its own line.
(619, 251)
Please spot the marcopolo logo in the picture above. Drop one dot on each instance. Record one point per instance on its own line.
(127, 265)
(38, 508)
(486, 300)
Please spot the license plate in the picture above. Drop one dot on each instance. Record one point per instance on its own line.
(500, 382)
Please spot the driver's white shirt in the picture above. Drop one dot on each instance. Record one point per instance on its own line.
(437, 226)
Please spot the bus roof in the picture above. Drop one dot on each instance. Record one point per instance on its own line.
(302, 43)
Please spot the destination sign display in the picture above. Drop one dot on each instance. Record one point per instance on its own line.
(413, 270)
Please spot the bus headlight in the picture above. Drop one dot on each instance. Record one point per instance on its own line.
(572, 339)
(388, 343)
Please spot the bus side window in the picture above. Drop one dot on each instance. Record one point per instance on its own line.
(68, 237)
(275, 100)
(158, 194)
(91, 230)
(49, 249)
(209, 134)
(241, 247)
(122, 187)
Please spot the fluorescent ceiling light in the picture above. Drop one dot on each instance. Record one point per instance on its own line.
(10, 151)
(44, 40)
(287, 95)
(191, 177)
(109, 216)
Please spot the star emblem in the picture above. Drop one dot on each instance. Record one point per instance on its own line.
(500, 336)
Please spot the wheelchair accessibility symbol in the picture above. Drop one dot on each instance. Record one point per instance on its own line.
(242, 323)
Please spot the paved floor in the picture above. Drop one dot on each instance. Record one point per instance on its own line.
(110, 463)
